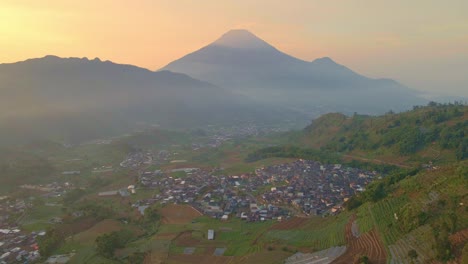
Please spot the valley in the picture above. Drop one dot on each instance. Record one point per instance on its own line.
(153, 196)
(233, 132)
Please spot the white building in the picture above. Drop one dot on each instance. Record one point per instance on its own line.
(210, 234)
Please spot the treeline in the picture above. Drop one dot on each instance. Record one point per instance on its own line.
(317, 155)
(293, 152)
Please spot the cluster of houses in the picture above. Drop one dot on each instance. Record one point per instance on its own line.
(220, 135)
(11, 207)
(15, 245)
(136, 159)
(302, 186)
(54, 189)
(310, 186)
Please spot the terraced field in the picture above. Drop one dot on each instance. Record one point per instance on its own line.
(364, 220)
(316, 236)
(421, 240)
(383, 215)
(368, 244)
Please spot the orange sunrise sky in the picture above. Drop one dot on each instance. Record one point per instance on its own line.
(421, 43)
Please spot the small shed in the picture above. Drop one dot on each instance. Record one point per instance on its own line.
(210, 234)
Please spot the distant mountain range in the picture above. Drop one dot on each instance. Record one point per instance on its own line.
(77, 99)
(243, 63)
(239, 79)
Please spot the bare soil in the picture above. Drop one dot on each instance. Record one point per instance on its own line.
(368, 244)
(178, 214)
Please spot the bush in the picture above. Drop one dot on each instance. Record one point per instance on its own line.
(50, 242)
(413, 254)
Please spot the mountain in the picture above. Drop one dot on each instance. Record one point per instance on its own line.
(247, 65)
(75, 99)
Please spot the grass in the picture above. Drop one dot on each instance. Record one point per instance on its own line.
(172, 228)
(36, 226)
(329, 233)
(237, 236)
(40, 215)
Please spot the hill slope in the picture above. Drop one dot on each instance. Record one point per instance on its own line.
(431, 133)
(418, 212)
(243, 63)
(425, 213)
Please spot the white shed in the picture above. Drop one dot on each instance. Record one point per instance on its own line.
(210, 234)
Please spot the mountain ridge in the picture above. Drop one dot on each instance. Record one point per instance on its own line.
(270, 75)
(77, 98)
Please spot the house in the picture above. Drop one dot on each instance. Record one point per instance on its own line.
(108, 193)
(210, 234)
(253, 207)
(243, 216)
(71, 172)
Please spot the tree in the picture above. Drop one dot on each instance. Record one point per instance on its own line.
(413, 254)
(462, 150)
(137, 258)
(50, 241)
(363, 260)
(152, 214)
(106, 244)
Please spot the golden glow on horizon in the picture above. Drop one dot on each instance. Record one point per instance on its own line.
(411, 41)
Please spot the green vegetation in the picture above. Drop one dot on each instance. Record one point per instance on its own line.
(107, 244)
(426, 130)
(409, 204)
(431, 199)
(379, 189)
(73, 195)
(464, 257)
(318, 234)
(50, 242)
(292, 152)
(19, 167)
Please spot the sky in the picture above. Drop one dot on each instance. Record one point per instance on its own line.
(420, 43)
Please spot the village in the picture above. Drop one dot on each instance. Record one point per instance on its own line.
(276, 192)
(16, 245)
(270, 193)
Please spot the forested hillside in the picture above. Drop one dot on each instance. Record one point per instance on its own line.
(433, 132)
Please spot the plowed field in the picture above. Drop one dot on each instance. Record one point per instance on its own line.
(368, 244)
(178, 214)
